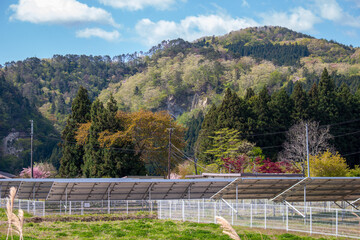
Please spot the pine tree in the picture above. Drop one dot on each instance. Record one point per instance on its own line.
(314, 102)
(72, 153)
(301, 104)
(327, 106)
(93, 158)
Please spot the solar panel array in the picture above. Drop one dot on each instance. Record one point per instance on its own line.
(114, 189)
(278, 189)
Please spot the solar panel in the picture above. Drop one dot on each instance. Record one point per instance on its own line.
(322, 189)
(255, 188)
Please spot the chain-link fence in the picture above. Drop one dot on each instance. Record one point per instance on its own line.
(42, 208)
(320, 218)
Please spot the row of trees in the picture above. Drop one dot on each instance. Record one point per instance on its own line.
(264, 119)
(100, 141)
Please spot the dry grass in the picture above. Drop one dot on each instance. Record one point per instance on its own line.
(15, 222)
(227, 228)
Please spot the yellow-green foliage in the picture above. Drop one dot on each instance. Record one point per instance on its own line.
(328, 165)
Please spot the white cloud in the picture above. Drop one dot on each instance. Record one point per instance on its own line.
(97, 32)
(134, 5)
(245, 3)
(190, 28)
(329, 9)
(299, 19)
(59, 12)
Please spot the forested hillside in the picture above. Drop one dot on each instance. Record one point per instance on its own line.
(187, 78)
(15, 113)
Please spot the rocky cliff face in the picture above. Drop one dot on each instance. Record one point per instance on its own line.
(10, 144)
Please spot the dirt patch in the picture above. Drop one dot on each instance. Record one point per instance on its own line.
(94, 218)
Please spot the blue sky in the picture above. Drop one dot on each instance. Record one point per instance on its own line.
(42, 28)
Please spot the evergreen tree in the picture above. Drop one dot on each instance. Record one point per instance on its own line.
(72, 153)
(314, 102)
(327, 98)
(249, 93)
(93, 158)
(301, 104)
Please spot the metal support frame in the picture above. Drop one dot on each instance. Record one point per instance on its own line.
(288, 204)
(231, 207)
(352, 205)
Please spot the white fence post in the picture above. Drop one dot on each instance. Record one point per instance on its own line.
(232, 214)
(183, 211)
(310, 220)
(251, 211)
(159, 204)
(127, 207)
(265, 214)
(214, 212)
(198, 203)
(28, 205)
(82, 207)
(287, 218)
(70, 208)
(34, 208)
(336, 222)
(170, 209)
(44, 209)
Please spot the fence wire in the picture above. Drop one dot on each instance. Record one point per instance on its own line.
(321, 218)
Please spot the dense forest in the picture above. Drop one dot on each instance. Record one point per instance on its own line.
(189, 80)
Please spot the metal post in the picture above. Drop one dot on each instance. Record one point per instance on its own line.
(310, 220)
(44, 209)
(60, 206)
(203, 208)
(307, 150)
(108, 210)
(287, 218)
(82, 207)
(34, 207)
(336, 222)
(28, 205)
(70, 208)
(159, 203)
(127, 207)
(237, 197)
(183, 211)
(19, 201)
(66, 198)
(198, 202)
(251, 215)
(305, 203)
(214, 212)
(170, 209)
(265, 214)
(31, 153)
(232, 216)
(169, 154)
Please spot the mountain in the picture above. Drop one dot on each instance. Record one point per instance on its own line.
(182, 77)
(15, 115)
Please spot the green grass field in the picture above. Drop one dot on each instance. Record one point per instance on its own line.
(79, 227)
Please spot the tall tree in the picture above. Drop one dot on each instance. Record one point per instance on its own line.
(327, 98)
(301, 103)
(93, 158)
(72, 153)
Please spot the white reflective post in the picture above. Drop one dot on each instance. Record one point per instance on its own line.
(70, 207)
(44, 208)
(34, 207)
(28, 205)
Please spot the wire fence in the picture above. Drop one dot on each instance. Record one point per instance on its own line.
(43, 208)
(323, 218)
(319, 219)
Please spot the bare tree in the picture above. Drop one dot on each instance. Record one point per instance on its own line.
(294, 148)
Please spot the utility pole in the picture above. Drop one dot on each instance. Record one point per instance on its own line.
(307, 150)
(169, 155)
(31, 156)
